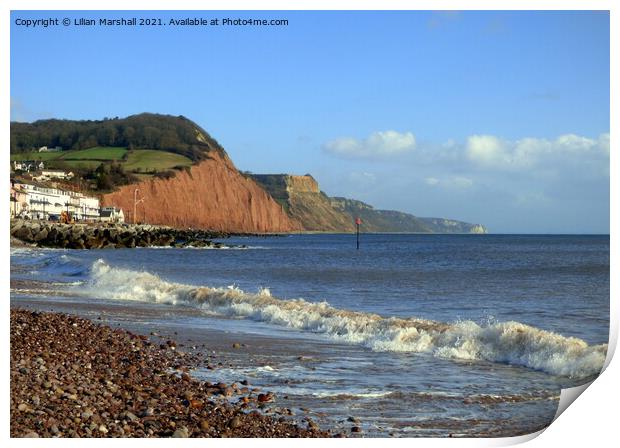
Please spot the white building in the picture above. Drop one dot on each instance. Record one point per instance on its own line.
(112, 214)
(46, 149)
(28, 165)
(55, 174)
(41, 203)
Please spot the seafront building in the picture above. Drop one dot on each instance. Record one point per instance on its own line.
(53, 174)
(36, 202)
(28, 165)
(112, 214)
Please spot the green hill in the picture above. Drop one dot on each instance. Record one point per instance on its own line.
(168, 133)
(137, 161)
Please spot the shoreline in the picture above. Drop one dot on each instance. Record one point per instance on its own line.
(74, 377)
(285, 362)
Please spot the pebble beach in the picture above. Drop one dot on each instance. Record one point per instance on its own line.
(72, 377)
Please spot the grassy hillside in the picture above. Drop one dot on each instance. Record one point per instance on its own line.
(102, 169)
(148, 160)
(96, 153)
(35, 155)
(144, 131)
(142, 161)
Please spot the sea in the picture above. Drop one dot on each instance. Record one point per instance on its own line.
(409, 336)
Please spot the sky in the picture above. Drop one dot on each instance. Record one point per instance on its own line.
(498, 117)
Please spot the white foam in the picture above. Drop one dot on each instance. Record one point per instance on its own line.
(504, 342)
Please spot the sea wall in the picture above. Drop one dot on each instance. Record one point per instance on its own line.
(105, 236)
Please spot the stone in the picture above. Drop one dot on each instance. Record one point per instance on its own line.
(182, 432)
(264, 398)
(235, 422)
(24, 234)
(228, 392)
(41, 235)
(205, 425)
(31, 435)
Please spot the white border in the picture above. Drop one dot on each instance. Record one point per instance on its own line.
(591, 421)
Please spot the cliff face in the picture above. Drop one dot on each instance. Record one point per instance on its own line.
(380, 220)
(312, 208)
(303, 200)
(442, 225)
(211, 195)
(301, 184)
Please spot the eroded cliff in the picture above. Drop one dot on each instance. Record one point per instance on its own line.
(304, 202)
(210, 195)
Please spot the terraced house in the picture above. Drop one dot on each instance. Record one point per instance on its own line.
(38, 202)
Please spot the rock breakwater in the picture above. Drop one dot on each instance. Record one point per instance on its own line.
(104, 236)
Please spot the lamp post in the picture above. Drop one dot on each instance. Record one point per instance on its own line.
(14, 199)
(135, 205)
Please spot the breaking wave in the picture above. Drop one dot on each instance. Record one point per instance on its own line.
(504, 342)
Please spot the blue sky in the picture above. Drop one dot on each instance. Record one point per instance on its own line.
(500, 118)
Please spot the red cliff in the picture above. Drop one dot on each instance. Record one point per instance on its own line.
(211, 195)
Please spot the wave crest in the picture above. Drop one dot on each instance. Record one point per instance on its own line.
(504, 342)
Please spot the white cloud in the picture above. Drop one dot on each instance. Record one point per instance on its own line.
(377, 144)
(486, 150)
(530, 199)
(493, 152)
(454, 182)
(460, 182)
(603, 141)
